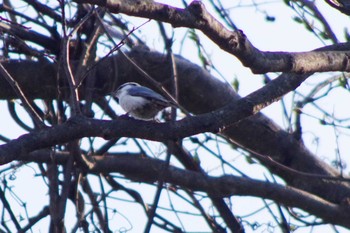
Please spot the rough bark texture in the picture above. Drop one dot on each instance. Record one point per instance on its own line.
(199, 93)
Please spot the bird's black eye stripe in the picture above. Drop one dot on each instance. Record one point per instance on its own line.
(120, 87)
(127, 84)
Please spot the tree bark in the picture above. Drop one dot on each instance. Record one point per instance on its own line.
(199, 92)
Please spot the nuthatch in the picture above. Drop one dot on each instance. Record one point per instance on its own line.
(140, 102)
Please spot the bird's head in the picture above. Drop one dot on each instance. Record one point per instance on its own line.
(123, 88)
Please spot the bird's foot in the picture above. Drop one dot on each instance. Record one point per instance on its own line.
(125, 116)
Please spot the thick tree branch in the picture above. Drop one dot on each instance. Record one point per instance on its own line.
(30, 35)
(143, 169)
(216, 121)
(229, 185)
(325, 194)
(233, 42)
(280, 145)
(193, 82)
(341, 5)
(31, 111)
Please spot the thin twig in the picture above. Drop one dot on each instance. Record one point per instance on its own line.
(267, 159)
(115, 48)
(151, 213)
(74, 94)
(105, 206)
(9, 210)
(28, 107)
(95, 206)
(32, 221)
(155, 83)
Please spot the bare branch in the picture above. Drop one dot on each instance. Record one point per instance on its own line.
(141, 169)
(7, 206)
(32, 221)
(29, 108)
(233, 42)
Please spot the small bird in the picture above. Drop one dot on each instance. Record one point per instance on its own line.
(140, 102)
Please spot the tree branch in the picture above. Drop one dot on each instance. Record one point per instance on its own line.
(144, 169)
(216, 121)
(233, 42)
(33, 36)
(193, 81)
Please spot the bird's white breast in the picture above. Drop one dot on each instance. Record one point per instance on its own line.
(131, 103)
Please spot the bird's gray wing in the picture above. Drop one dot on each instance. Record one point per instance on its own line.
(148, 94)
